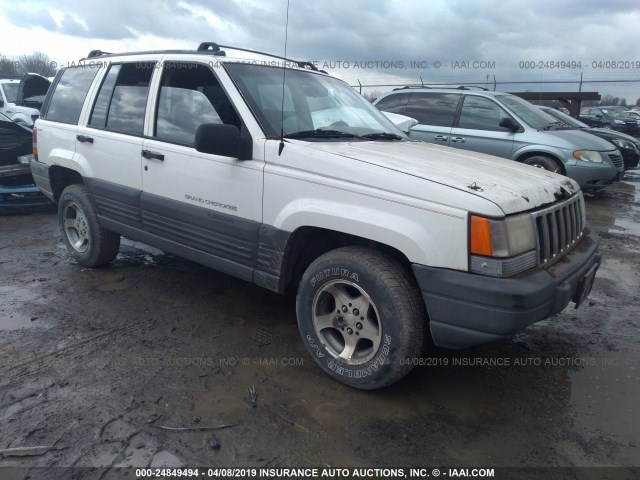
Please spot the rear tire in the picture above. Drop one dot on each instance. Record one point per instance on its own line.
(546, 163)
(88, 242)
(361, 316)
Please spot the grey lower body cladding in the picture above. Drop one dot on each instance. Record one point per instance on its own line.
(233, 245)
(467, 309)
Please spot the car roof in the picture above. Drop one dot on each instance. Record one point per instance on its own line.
(460, 90)
(208, 49)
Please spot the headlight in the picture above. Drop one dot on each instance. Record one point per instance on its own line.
(622, 143)
(502, 248)
(619, 122)
(588, 156)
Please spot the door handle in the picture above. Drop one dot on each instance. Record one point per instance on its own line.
(150, 154)
(83, 139)
(441, 138)
(458, 139)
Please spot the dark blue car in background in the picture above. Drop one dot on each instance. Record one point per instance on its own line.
(18, 194)
(610, 118)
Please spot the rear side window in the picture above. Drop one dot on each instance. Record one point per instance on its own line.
(190, 95)
(396, 103)
(480, 113)
(433, 108)
(121, 102)
(67, 99)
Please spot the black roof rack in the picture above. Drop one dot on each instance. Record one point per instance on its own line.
(300, 63)
(210, 48)
(410, 86)
(97, 53)
(462, 87)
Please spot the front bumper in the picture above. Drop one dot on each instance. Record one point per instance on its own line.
(467, 309)
(594, 176)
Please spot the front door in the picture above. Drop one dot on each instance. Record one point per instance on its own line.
(208, 206)
(478, 128)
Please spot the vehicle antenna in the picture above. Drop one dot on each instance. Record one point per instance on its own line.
(284, 72)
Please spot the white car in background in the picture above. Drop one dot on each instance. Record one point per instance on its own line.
(21, 100)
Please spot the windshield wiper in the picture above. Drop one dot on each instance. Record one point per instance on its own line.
(320, 133)
(382, 136)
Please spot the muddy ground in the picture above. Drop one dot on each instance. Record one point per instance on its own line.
(94, 361)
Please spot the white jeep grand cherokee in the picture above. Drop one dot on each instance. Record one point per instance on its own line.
(381, 237)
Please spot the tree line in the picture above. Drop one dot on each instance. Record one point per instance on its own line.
(36, 62)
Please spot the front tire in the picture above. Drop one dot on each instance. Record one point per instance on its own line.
(88, 242)
(546, 163)
(361, 317)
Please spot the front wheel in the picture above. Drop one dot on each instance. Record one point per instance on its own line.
(546, 163)
(361, 317)
(88, 242)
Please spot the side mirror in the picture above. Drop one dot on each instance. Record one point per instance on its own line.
(598, 115)
(223, 140)
(510, 124)
(1, 103)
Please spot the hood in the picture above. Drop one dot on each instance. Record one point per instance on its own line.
(512, 186)
(611, 134)
(572, 139)
(32, 90)
(403, 122)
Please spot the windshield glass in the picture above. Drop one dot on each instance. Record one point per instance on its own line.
(566, 119)
(612, 113)
(11, 91)
(527, 112)
(313, 103)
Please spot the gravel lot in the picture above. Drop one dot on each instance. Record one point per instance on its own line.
(94, 362)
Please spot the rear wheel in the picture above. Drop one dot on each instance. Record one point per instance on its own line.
(88, 242)
(547, 163)
(361, 317)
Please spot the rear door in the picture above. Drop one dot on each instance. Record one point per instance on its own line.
(478, 128)
(111, 141)
(435, 113)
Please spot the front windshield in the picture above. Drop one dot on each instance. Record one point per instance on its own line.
(566, 119)
(313, 104)
(11, 91)
(527, 112)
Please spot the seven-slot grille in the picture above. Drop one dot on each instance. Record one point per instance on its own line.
(616, 159)
(559, 228)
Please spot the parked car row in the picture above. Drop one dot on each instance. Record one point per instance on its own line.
(629, 146)
(614, 118)
(506, 126)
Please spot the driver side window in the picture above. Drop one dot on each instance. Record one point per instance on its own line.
(190, 95)
(480, 113)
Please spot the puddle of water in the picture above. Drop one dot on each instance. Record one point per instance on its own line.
(147, 254)
(600, 402)
(12, 299)
(629, 226)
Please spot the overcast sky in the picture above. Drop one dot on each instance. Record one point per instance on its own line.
(419, 38)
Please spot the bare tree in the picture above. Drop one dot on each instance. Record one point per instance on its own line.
(8, 67)
(372, 95)
(608, 99)
(38, 62)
